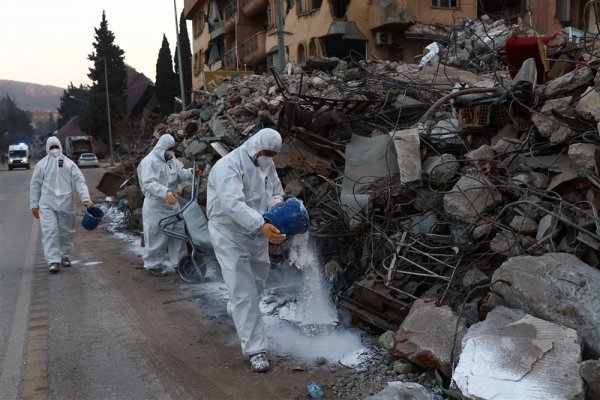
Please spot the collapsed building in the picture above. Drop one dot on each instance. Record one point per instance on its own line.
(456, 211)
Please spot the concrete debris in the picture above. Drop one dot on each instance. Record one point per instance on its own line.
(420, 182)
(590, 371)
(558, 287)
(426, 336)
(513, 355)
(402, 391)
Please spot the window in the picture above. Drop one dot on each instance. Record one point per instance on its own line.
(198, 63)
(312, 49)
(300, 7)
(314, 4)
(445, 3)
(269, 15)
(301, 54)
(198, 23)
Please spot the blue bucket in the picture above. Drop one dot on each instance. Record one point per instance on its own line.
(290, 218)
(92, 218)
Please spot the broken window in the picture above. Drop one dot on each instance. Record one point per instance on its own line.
(445, 3)
(312, 49)
(301, 53)
(563, 10)
(339, 8)
(507, 9)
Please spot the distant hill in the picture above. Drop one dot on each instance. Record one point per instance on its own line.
(31, 96)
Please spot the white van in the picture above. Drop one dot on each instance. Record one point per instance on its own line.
(18, 156)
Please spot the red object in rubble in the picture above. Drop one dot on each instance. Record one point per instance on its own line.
(520, 48)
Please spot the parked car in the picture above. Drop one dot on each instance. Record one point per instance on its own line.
(88, 160)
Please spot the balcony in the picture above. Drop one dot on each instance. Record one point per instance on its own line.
(230, 60)
(252, 51)
(229, 13)
(218, 30)
(252, 8)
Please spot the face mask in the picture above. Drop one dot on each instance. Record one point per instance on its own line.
(55, 152)
(264, 162)
(169, 154)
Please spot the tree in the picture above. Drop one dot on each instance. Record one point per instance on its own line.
(73, 103)
(186, 60)
(110, 55)
(15, 123)
(165, 78)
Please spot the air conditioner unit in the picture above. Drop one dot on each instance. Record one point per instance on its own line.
(383, 38)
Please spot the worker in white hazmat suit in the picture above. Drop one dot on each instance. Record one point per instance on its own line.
(51, 200)
(159, 175)
(242, 186)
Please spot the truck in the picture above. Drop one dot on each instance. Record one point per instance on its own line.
(75, 145)
(18, 156)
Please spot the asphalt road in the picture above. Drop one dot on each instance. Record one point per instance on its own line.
(105, 329)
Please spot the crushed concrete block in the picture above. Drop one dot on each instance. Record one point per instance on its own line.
(558, 287)
(490, 302)
(470, 197)
(524, 225)
(475, 277)
(402, 367)
(426, 336)
(402, 390)
(551, 128)
(481, 230)
(484, 152)
(590, 372)
(546, 226)
(569, 81)
(503, 146)
(441, 168)
(539, 180)
(584, 155)
(217, 127)
(561, 104)
(589, 104)
(506, 243)
(513, 355)
(386, 340)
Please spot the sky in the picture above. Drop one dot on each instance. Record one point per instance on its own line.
(47, 42)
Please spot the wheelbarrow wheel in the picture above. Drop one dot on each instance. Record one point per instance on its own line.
(188, 273)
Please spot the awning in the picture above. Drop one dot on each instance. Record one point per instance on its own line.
(346, 29)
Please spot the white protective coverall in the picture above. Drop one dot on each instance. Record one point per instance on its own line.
(239, 193)
(157, 177)
(51, 190)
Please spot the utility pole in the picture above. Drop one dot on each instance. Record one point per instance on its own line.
(280, 33)
(181, 88)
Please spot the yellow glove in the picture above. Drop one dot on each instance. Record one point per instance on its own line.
(171, 198)
(35, 212)
(273, 234)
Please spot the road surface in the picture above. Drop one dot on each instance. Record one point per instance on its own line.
(104, 329)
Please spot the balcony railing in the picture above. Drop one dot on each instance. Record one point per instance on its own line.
(230, 60)
(252, 50)
(230, 9)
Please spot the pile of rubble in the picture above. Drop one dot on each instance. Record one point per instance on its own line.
(460, 207)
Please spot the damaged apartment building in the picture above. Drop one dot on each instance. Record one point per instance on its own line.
(242, 35)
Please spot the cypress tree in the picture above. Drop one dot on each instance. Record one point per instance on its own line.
(165, 78)
(186, 60)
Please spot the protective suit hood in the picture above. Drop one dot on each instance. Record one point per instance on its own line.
(265, 139)
(165, 142)
(52, 141)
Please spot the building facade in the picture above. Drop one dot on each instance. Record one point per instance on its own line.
(235, 35)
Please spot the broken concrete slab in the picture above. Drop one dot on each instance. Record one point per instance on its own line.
(584, 155)
(440, 168)
(558, 287)
(524, 225)
(506, 243)
(589, 104)
(568, 82)
(408, 149)
(512, 355)
(426, 335)
(475, 277)
(551, 129)
(472, 195)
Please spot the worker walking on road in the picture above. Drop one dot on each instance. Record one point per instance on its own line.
(242, 186)
(159, 175)
(51, 200)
